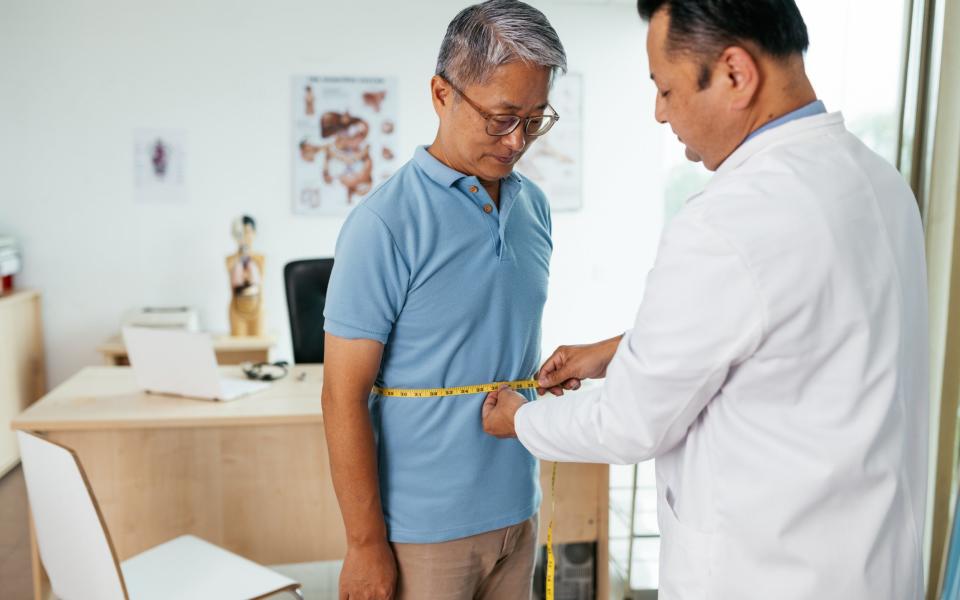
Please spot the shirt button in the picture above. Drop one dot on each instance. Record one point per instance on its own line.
(487, 208)
(474, 189)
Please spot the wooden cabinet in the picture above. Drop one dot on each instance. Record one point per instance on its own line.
(22, 371)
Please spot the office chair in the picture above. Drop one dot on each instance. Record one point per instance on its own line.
(306, 284)
(78, 553)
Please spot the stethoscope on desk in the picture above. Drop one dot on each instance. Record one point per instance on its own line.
(265, 371)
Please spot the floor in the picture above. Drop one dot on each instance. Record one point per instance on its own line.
(15, 580)
(319, 580)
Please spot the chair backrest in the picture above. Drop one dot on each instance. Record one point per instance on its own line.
(74, 543)
(306, 282)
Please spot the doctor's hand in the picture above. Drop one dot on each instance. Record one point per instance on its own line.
(498, 412)
(569, 365)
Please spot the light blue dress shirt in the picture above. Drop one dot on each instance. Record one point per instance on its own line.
(814, 108)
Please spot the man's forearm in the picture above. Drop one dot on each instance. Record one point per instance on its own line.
(349, 371)
(353, 467)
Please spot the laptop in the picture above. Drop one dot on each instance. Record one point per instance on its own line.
(181, 363)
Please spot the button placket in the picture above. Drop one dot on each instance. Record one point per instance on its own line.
(484, 203)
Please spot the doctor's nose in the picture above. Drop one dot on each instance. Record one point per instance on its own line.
(659, 112)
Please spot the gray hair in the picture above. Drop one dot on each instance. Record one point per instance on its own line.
(494, 33)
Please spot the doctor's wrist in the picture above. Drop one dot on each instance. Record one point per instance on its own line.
(607, 349)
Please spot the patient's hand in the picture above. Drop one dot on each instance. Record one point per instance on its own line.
(498, 412)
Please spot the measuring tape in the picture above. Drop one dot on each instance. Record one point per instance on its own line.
(486, 388)
(483, 388)
(553, 508)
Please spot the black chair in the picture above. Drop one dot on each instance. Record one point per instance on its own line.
(306, 283)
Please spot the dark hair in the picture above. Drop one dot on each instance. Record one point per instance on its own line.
(706, 27)
(248, 220)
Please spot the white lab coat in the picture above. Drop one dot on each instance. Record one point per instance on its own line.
(777, 371)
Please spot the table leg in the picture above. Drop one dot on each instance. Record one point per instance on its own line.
(41, 584)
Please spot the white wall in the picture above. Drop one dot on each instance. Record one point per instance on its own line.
(77, 78)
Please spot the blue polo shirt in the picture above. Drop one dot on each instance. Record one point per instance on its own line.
(454, 288)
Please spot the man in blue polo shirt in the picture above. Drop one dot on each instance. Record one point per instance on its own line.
(440, 281)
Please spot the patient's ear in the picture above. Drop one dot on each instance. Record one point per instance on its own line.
(441, 94)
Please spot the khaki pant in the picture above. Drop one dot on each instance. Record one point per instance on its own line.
(497, 565)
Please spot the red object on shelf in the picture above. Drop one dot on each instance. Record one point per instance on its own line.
(7, 286)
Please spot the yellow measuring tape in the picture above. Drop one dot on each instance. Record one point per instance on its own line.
(486, 388)
(483, 388)
(553, 508)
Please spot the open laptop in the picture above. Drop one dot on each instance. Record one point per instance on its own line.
(182, 363)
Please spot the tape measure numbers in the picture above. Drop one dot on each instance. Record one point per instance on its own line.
(483, 388)
(486, 388)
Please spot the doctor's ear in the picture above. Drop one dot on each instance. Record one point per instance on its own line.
(741, 75)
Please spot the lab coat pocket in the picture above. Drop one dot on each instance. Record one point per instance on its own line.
(686, 554)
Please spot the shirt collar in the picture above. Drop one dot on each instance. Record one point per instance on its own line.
(814, 108)
(443, 174)
(435, 169)
(787, 133)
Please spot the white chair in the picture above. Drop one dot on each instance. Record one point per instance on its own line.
(78, 554)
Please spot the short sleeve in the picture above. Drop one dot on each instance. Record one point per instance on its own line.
(369, 280)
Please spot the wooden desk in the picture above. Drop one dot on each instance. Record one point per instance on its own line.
(230, 350)
(251, 475)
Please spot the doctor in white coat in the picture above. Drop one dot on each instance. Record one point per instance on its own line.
(777, 368)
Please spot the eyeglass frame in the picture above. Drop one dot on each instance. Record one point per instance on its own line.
(487, 115)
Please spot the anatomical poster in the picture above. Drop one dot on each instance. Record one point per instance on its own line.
(555, 161)
(159, 158)
(344, 141)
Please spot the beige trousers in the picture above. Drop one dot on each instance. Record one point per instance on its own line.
(497, 565)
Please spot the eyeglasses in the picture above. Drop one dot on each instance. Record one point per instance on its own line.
(500, 125)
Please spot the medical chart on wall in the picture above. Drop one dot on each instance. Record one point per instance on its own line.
(159, 158)
(554, 162)
(344, 141)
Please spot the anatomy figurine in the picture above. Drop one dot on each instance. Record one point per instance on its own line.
(246, 277)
